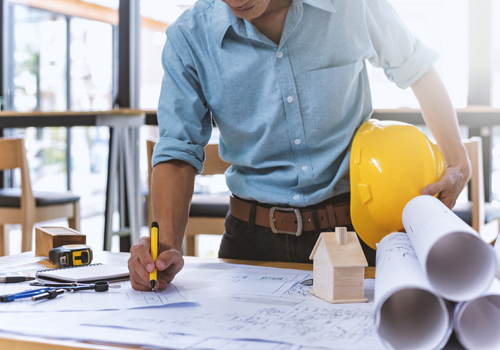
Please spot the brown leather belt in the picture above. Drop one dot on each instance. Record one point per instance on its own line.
(292, 221)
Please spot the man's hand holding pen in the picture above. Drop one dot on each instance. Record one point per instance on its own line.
(168, 263)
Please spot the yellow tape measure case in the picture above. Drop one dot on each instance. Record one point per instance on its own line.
(71, 255)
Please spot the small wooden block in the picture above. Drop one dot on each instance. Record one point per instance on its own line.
(48, 237)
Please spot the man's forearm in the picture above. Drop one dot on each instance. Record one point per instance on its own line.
(439, 115)
(172, 190)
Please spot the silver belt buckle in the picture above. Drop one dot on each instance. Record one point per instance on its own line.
(297, 214)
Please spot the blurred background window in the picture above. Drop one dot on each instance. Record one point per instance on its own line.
(156, 16)
(91, 62)
(441, 25)
(63, 62)
(39, 62)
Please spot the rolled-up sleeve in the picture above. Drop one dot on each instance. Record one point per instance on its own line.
(183, 115)
(404, 58)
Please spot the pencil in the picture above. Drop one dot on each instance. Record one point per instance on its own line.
(15, 279)
(154, 253)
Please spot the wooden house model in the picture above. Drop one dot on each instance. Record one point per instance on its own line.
(339, 267)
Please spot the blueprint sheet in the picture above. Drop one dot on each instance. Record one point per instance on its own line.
(120, 296)
(238, 307)
(242, 302)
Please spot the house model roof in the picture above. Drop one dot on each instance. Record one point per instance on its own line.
(347, 255)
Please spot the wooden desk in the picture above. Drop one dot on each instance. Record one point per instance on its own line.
(123, 154)
(29, 261)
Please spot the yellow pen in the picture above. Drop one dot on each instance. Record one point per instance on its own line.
(154, 252)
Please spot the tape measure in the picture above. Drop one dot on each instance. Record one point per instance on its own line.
(71, 255)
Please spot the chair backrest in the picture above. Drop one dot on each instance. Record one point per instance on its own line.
(12, 156)
(475, 152)
(213, 165)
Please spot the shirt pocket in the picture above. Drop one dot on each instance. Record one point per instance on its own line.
(334, 93)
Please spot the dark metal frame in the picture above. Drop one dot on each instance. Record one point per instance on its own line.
(68, 102)
(128, 54)
(127, 60)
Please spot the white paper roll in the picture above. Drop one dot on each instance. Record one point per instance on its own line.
(408, 313)
(477, 322)
(458, 264)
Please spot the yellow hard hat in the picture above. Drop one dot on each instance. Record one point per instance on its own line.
(391, 162)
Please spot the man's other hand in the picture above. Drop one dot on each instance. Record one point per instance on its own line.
(140, 264)
(454, 180)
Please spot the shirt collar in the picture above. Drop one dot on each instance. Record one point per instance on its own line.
(325, 5)
(224, 18)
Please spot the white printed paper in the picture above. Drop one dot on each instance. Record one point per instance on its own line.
(239, 307)
(41, 325)
(408, 313)
(458, 264)
(206, 279)
(68, 327)
(238, 301)
(257, 317)
(124, 297)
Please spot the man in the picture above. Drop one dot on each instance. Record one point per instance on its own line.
(286, 83)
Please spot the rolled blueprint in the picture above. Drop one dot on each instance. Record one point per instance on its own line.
(408, 313)
(458, 264)
(477, 322)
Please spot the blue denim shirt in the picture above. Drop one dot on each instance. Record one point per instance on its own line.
(286, 113)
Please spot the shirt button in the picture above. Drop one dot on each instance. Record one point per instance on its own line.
(289, 99)
(296, 197)
(304, 167)
(279, 54)
(297, 141)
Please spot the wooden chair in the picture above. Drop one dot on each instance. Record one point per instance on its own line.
(208, 211)
(483, 217)
(26, 207)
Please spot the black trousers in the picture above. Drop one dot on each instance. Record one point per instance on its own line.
(240, 241)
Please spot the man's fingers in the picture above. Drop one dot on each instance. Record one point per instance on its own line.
(137, 271)
(138, 282)
(448, 188)
(168, 263)
(171, 259)
(163, 285)
(142, 251)
(432, 189)
(447, 200)
(140, 264)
